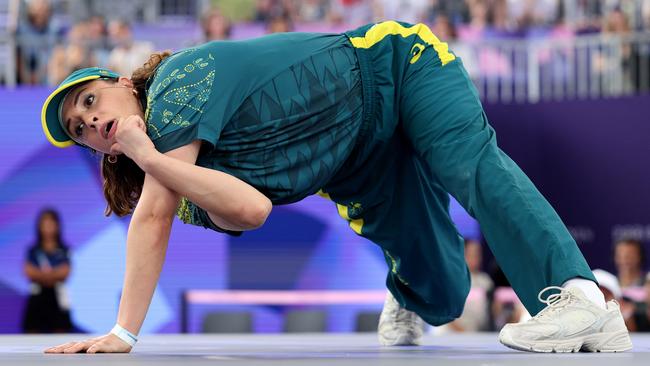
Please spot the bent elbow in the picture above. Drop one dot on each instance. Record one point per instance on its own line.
(255, 216)
(261, 212)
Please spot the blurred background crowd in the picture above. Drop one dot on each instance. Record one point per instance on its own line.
(606, 40)
(492, 303)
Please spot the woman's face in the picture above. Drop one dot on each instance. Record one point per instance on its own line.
(217, 27)
(473, 256)
(627, 257)
(49, 227)
(92, 110)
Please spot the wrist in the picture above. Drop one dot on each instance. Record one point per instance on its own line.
(123, 334)
(147, 159)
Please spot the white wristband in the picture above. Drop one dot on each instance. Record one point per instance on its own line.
(124, 335)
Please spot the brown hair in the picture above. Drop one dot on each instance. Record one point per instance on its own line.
(123, 179)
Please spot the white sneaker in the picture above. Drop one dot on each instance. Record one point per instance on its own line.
(570, 323)
(398, 326)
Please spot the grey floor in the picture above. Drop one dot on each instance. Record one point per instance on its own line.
(310, 349)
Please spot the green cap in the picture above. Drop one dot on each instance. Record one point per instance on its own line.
(50, 119)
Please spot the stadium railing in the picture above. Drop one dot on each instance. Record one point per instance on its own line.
(580, 67)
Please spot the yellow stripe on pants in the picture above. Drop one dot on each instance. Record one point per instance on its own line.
(355, 224)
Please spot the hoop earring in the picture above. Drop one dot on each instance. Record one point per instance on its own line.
(112, 159)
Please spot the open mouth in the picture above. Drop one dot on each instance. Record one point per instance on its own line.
(109, 125)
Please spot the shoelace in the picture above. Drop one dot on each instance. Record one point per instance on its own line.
(553, 301)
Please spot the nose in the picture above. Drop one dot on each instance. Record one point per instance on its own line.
(93, 123)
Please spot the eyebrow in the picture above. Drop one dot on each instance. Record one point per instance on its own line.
(76, 100)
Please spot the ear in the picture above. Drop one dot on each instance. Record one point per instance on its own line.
(125, 82)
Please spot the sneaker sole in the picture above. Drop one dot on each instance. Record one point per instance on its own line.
(400, 341)
(602, 342)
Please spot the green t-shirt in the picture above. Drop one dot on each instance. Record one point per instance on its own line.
(281, 112)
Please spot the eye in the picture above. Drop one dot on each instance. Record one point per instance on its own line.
(88, 101)
(78, 131)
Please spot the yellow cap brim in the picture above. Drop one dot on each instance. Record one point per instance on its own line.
(52, 125)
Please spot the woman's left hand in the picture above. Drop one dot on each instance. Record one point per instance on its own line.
(131, 139)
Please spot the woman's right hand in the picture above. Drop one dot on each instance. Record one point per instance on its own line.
(109, 343)
(131, 139)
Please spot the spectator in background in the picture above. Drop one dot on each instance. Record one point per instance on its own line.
(279, 23)
(444, 29)
(584, 16)
(488, 20)
(351, 12)
(615, 58)
(456, 11)
(412, 11)
(215, 26)
(96, 39)
(608, 284)
(560, 28)
(36, 35)
(72, 56)
(127, 54)
(641, 320)
(623, 19)
(474, 259)
(474, 31)
(500, 19)
(312, 10)
(47, 267)
(264, 9)
(629, 257)
(476, 315)
(532, 13)
(506, 306)
(644, 23)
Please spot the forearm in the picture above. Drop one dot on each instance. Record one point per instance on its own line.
(38, 276)
(33, 274)
(146, 246)
(216, 192)
(60, 273)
